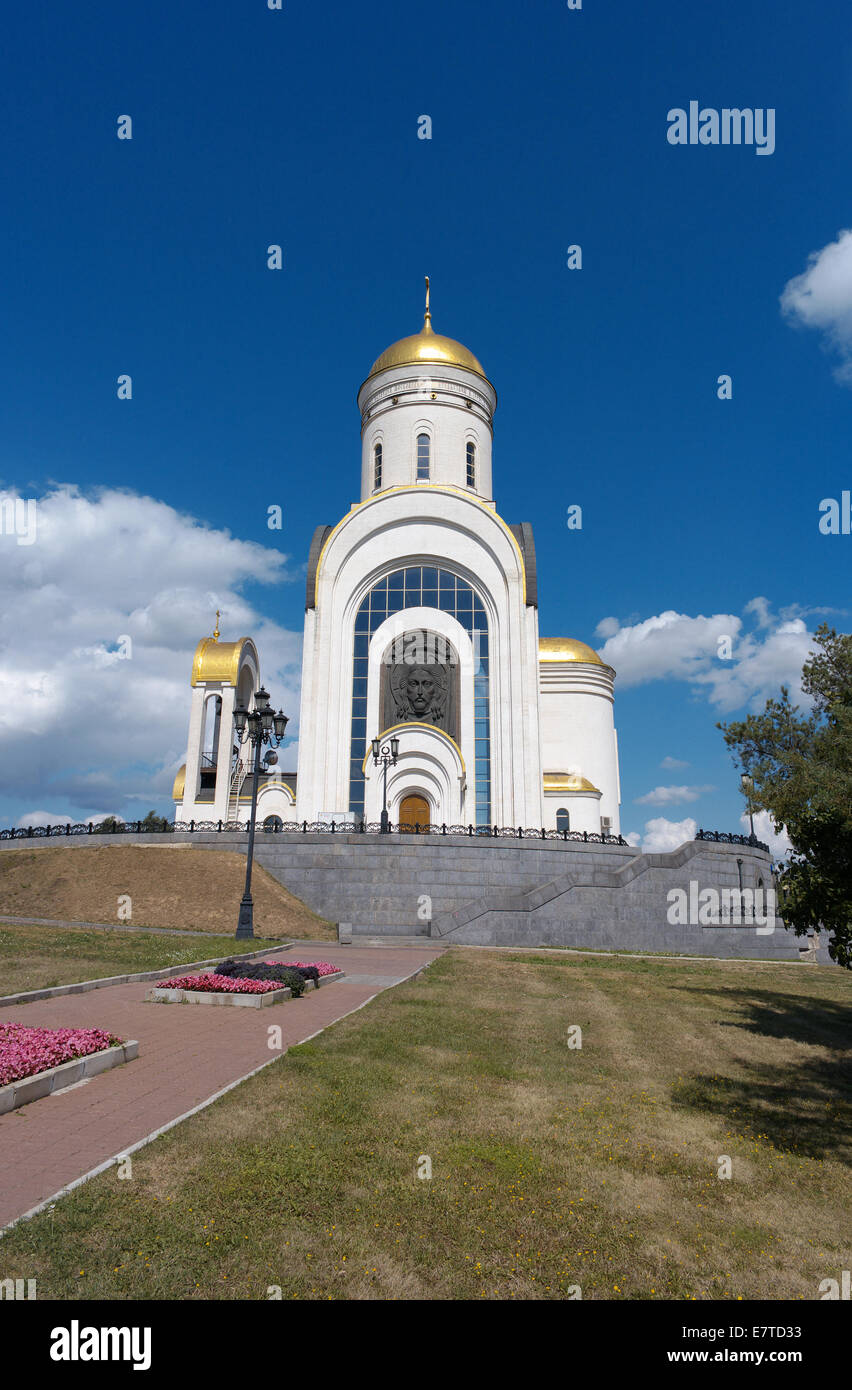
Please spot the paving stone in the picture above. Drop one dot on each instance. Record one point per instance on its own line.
(185, 1056)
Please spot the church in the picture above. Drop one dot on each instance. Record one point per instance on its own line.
(421, 632)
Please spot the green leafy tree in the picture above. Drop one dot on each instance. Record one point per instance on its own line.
(155, 822)
(109, 825)
(800, 762)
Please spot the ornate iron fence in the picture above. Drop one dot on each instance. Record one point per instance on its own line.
(350, 827)
(725, 837)
(347, 827)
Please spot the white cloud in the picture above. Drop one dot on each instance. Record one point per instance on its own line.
(79, 725)
(661, 835)
(672, 796)
(764, 829)
(821, 298)
(671, 764)
(675, 646)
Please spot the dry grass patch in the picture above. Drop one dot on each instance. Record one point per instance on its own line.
(551, 1167)
(173, 887)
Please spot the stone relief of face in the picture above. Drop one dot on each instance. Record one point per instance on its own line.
(420, 689)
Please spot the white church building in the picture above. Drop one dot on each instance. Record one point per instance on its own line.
(422, 627)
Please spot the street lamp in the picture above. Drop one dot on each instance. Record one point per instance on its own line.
(387, 754)
(747, 786)
(263, 725)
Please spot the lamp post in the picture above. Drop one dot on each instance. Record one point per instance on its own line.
(747, 786)
(263, 725)
(387, 754)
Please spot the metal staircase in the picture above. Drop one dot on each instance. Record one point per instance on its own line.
(238, 776)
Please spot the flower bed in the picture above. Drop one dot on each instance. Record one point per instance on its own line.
(220, 984)
(323, 967)
(25, 1051)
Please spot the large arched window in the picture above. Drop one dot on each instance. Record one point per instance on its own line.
(563, 820)
(422, 586)
(377, 467)
(423, 445)
(471, 464)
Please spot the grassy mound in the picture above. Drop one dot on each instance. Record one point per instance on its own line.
(170, 886)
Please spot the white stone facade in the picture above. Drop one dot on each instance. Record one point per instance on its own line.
(535, 741)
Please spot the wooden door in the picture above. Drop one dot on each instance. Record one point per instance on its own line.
(414, 810)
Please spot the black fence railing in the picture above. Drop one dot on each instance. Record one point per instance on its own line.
(279, 827)
(725, 837)
(348, 827)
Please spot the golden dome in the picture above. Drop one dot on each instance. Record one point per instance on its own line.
(179, 784)
(568, 782)
(427, 346)
(219, 661)
(567, 649)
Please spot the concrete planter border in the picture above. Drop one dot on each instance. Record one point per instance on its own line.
(47, 1083)
(251, 1001)
(199, 996)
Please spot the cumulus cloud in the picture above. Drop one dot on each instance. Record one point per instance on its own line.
(672, 796)
(661, 835)
(778, 842)
(716, 655)
(84, 727)
(821, 298)
(671, 764)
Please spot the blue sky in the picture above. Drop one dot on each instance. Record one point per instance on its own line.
(299, 127)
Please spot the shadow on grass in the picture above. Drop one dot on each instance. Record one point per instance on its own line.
(801, 1018)
(801, 1105)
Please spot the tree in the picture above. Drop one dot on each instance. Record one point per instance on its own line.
(155, 822)
(801, 766)
(109, 826)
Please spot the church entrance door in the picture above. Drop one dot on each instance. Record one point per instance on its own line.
(414, 810)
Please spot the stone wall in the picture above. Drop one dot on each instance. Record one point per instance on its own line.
(500, 891)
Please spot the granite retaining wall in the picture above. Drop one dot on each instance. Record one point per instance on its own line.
(483, 891)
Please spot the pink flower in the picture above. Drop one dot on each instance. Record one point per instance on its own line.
(25, 1051)
(220, 984)
(324, 967)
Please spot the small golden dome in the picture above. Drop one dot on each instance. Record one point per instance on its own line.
(567, 649)
(219, 661)
(568, 782)
(179, 784)
(427, 346)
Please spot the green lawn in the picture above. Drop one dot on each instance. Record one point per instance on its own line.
(552, 1166)
(41, 957)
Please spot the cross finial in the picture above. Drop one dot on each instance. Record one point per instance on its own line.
(427, 322)
(216, 630)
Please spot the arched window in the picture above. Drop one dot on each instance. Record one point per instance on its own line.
(471, 464)
(273, 823)
(563, 820)
(423, 443)
(377, 467)
(212, 722)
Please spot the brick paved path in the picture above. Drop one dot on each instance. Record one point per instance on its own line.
(187, 1053)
